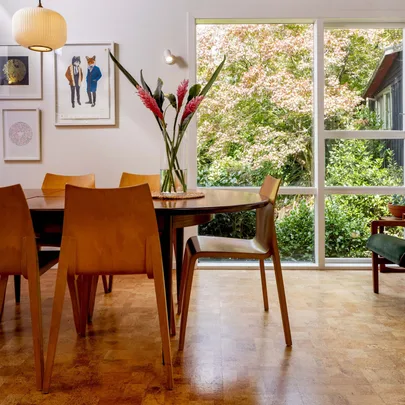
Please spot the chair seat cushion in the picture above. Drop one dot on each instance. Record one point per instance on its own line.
(212, 246)
(389, 247)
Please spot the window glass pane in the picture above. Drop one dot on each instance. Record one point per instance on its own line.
(257, 118)
(388, 111)
(294, 227)
(347, 223)
(364, 162)
(360, 65)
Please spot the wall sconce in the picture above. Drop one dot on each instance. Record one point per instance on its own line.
(169, 58)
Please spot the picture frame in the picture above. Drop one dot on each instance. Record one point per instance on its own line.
(21, 129)
(85, 84)
(20, 73)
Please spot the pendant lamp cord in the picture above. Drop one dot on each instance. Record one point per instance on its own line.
(40, 3)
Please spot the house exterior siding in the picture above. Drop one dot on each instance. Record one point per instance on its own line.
(394, 79)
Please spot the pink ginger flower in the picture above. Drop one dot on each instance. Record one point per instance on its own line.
(181, 92)
(149, 102)
(191, 107)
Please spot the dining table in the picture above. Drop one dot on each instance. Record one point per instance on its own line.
(47, 209)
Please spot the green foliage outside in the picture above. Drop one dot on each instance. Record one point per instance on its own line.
(398, 199)
(258, 121)
(347, 217)
(295, 229)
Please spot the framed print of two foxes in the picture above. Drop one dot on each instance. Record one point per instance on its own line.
(84, 85)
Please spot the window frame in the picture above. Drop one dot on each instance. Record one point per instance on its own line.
(320, 135)
(387, 112)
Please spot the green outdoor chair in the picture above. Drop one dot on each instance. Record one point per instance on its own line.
(386, 250)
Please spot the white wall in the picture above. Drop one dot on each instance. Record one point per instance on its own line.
(142, 30)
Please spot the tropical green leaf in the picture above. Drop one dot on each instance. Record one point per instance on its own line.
(158, 94)
(123, 70)
(144, 84)
(184, 124)
(194, 91)
(172, 99)
(205, 90)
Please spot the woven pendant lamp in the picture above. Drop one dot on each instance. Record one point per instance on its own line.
(39, 29)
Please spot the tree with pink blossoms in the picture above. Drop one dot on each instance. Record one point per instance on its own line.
(258, 117)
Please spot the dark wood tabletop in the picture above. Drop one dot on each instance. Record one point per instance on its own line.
(214, 201)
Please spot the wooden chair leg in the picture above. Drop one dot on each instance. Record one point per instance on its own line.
(186, 301)
(281, 296)
(110, 283)
(264, 285)
(57, 309)
(179, 258)
(36, 322)
(374, 259)
(164, 326)
(74, 296)
(93, 291)
(172, 319)
(79, 283)
(84, 304)
(105, 284)
(3, 287)
(184, 276)
(17, 288)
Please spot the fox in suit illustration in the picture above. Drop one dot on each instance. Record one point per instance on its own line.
(74, 75)
(93, 76)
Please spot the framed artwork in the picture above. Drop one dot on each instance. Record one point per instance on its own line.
(21, 134)
(84, 85)
(20, 73)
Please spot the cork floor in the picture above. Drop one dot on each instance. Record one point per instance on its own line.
(348, 344)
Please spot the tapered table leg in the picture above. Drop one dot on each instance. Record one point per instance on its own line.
(17, 288)
(179, 257)
(166, 241)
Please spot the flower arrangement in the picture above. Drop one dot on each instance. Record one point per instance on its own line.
(173, 179)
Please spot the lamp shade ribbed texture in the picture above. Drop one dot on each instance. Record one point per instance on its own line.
(39, 29)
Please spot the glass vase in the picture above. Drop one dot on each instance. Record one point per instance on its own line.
(173, 169)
